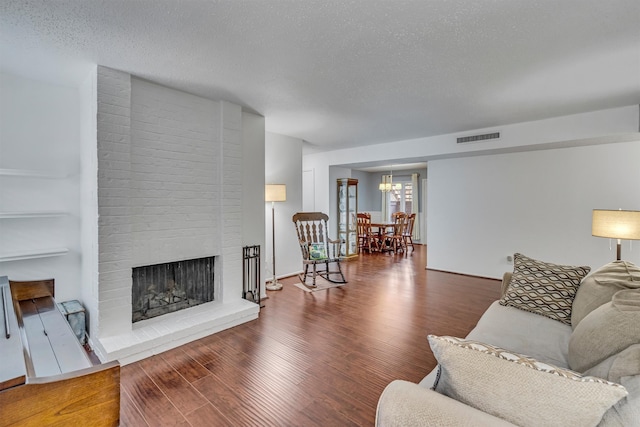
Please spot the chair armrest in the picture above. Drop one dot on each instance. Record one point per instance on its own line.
(336, 243)
(409, 405)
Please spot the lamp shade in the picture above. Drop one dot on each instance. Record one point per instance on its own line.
(616, 224)
(275, 193)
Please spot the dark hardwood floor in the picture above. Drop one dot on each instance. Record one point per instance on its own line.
(311, 359)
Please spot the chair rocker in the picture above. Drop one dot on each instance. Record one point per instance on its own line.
(319, 253)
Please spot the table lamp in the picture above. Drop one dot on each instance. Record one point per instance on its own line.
(616, 225)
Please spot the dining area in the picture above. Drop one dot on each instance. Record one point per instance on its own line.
(385, 237)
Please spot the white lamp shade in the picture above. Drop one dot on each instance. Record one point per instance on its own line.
(616, 224)
(275, 193)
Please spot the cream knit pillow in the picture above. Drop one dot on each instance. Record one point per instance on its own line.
(517, 388)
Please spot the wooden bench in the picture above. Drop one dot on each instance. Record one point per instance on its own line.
(46, 376)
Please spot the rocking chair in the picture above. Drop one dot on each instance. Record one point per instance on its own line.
(318, 251)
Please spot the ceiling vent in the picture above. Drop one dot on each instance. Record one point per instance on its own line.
(476, 138)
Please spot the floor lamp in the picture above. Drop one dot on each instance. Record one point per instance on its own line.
(274, 193)
(616, 225)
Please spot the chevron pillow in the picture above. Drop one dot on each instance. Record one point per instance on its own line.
(544, 288)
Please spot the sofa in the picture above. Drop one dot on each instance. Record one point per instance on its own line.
(560, 348)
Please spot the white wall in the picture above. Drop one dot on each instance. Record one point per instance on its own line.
(539, 203)
(597, 127)
(283, 158)
(606, 129)
(89, 196)
(253, 175)
(40, 132)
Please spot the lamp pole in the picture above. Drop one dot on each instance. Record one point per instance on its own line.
(274, 193)
(274, 285)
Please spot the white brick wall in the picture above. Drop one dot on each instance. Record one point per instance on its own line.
(175, 160)
(231, 136)
(114, 209)
(169, 188)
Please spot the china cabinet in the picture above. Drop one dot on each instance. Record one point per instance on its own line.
(347, 216)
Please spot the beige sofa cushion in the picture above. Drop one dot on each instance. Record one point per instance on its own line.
(527, 333)
(606, 331)
(598, 288)
(520, 389)
(625, 413)
(543, 288)
(623, 364)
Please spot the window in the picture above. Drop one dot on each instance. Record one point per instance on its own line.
(401, 198)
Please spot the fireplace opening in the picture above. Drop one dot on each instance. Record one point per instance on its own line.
(164, 288)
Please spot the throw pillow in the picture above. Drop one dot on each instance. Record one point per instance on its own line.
(623, 364)
(543, 288)
(598, 288)
(517, 388)
(606, 331)
(317, 251)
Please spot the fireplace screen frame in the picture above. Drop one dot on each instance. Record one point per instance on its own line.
(164, 288)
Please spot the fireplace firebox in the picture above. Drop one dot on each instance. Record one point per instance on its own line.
(164, 288)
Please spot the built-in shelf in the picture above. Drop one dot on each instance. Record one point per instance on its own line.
(40, 253)
(31, 173)
(32, 214)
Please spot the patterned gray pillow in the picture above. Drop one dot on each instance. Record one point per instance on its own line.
(544, 288)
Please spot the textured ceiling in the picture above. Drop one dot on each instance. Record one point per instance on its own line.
(340, 73)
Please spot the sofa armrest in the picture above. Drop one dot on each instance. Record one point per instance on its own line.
(506, 279)
(407, 404)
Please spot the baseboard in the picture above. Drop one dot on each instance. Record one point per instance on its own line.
(464, 274)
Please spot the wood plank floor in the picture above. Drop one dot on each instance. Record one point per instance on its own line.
(311, 359)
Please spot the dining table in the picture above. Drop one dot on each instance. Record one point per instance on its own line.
(382, 228)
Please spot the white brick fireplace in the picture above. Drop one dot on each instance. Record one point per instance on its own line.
(169, 188)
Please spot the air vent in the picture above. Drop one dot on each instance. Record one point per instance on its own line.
(476, 138)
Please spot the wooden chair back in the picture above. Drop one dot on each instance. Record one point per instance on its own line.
(366, 238)
(400, 222)
(311, 227)
(364, 223)
(408, 231)
(411, 219)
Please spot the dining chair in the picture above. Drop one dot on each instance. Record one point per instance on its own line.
(397, 236)
(408, 232)
(367, 239)
(318, 251)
